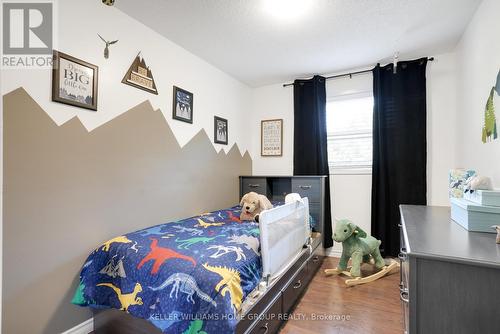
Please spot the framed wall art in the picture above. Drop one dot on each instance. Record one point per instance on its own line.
(139, 75)
(220, 130)
(182, 106)
(74, 81)
(490, 131)
(271, 137)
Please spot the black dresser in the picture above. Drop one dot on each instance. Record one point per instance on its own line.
(450, 277)
(277, 187)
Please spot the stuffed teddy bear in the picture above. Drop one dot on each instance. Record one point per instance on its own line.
(356, 245)
(252, 204)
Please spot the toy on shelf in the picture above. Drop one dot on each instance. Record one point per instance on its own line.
(497, 228)
(360, 248)
(457, 179)
(474, 183)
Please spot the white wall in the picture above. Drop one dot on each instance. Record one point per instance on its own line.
(351, 199)
(441, 126)
(271, 102)
(79, 22)
(478, 65)
(351, 194)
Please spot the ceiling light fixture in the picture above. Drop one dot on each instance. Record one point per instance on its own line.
(286, 9)
(108, 2)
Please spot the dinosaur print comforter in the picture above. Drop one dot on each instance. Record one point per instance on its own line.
(188, 276)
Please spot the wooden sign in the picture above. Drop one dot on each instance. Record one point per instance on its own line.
(139, 75)
(271, 136)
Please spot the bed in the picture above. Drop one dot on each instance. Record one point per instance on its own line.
(209, 273)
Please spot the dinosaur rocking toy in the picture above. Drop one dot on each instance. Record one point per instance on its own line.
(360, 248)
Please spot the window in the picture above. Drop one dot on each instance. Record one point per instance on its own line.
(349, 128)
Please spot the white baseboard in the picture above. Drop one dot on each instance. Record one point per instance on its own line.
(84, 328)
(332, 252)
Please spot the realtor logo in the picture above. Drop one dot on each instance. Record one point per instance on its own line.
(28, 34)
(27, 28)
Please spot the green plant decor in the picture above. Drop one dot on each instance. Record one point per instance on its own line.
(490, 124)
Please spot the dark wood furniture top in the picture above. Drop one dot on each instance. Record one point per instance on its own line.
(431, 233)
(449, 276)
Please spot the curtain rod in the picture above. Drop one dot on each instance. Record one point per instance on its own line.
(350, 74)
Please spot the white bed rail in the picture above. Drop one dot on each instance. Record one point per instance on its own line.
(284, 230)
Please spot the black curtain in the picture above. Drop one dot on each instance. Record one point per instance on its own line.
(310, 141)
(399, 147)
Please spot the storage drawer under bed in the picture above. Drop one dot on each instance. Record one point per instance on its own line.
(270, 320)
(314, 262)
(294, 288)
(273, 294)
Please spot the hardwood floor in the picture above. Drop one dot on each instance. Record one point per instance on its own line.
(369, 308)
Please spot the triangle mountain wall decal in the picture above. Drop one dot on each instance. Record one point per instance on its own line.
(139, 75)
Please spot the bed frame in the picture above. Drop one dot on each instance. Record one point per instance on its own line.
(268, 312)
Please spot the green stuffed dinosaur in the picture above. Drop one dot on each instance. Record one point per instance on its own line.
(356, 245)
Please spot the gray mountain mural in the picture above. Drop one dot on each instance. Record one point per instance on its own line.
(66, 190)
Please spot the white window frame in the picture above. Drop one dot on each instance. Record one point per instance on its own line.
(364, 170)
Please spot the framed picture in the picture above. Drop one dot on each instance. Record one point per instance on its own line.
(139, 75)
(220, 130)
(74, 81)
(182, 107)
(271, 137)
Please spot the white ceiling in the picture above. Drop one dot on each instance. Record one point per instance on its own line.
(241, 38)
